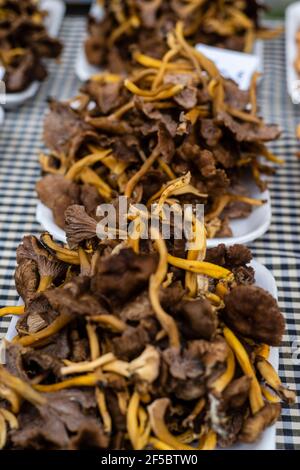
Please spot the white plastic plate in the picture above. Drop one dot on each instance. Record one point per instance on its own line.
(56, 10)
(84, 70)
(45, 218)
(292, 25)
(264, 279)
(252, 227)
(244, 230)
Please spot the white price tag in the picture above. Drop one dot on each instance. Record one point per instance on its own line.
(238, 66)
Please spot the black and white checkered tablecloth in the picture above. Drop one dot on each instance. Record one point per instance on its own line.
(279, 249)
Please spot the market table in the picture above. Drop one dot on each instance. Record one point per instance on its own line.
(279, 249)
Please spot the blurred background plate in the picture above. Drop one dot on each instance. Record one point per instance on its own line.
(56, 11)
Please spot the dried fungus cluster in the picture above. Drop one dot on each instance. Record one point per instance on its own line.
(24, 43)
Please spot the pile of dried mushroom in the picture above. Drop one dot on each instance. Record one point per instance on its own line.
(135, 137)
(144, 25)
(137, 345)
(145, 342)
(24, 43)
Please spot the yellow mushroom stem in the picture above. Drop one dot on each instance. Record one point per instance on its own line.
(165, 94)
(119, 113)
(143, 419)
(195, 55)
(269, 396)
(187, 437)
(9, 418)
(221, 290)
(106, 78)
(263, 350)
(255, 396)
(265, 152)
(163, 68)
(132, 420)
(214, 299)
(137, 230)
(123, 399)
(257, 175)
(93, 341)
(249, 41)
(85, 266)
(151, 62)
(21, 388)
(159, 445)
(166, 321)
(198, 408)
(144, 436)
(45, 282)
(89, 160)
(224, 200)
(89, 380)
(58, 324)
(89, 176)
(61, 253)
(11, 397)
(269, 34)
(170, 189)
(166, 169)
(246, 200)
(133, 88)
(116, 166)
(253, 93)
(46, 166)
(102, 407)
(3, 432)
(271, 377)
(208, 441)
(218, 207)
(221, 383)
(12, 311)
(125, 27)
(142, 171)
(199, 267)
(117, 367)
(7, 56)
(197, 253)
(191, 283)
(243, 116)
(80, 367)
(157, 411)
(109, 321)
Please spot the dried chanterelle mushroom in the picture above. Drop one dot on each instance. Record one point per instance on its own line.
(24, 43)
(137, 347)
(142, 24)
(175, 129)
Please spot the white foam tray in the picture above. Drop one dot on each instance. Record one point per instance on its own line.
(264, 279)
(244, 230)
(292, 25)
(56, 10)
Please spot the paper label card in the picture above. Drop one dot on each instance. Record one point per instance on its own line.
(238, 66)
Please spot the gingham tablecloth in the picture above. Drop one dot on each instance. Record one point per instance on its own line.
(279, 249)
